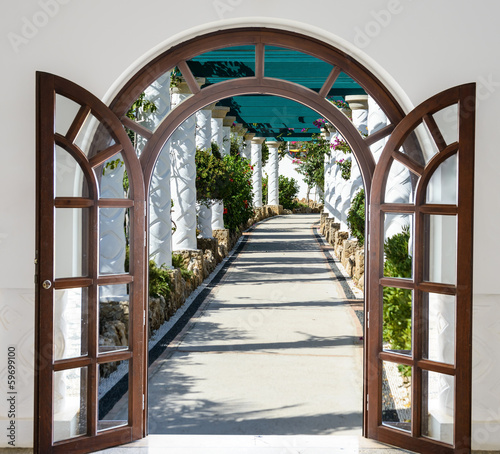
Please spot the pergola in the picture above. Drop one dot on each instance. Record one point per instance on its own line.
(270, 116)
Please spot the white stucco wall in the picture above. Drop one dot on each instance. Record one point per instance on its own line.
(417, 48)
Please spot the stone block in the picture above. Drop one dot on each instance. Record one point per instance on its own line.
(338, 241)
(349, 248)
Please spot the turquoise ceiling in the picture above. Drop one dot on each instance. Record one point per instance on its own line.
(271, 116)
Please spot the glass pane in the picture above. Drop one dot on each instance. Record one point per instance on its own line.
(113, 231)
(442, 187)
(70, 403)
(396, 395)
(66, 111)
(438, 412)
(224, 64)
(441, 238)
(447, 121)
(93, 137)
(70, 323)
(400, 184)
(154, 106)
(439, 344)
(113, 395)
(113, 318)
(419, 145)
(113, 178)
(398, 245)
(71, 242)
(69, 180)
(397, 321)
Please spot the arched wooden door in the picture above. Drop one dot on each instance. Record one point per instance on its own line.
(420, 318)
(429, 215)
(80, 143)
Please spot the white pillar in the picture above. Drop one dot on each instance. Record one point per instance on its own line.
(204, 128)
(273, 176)
(183, 149)
(247, 145)
(256, 161)
(218, 115)
(204, 142)
(226, 140)
(359, 108)
(244, 151)
(160, 224)
(329, 189)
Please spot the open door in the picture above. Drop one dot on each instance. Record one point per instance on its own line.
(420, 317)
(90, 212)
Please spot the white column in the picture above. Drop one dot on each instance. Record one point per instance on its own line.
(160, 224)
(247, 145)
(329, 189)
(218, 115)
(183, 149)
(256, 161)
(204, 128)
(359, 108)
(244, 151)
(226, 140)
(273, 176)
(204, 142)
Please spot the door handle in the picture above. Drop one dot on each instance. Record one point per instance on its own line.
(46, 284)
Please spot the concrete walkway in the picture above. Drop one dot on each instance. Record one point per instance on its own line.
(271, 363)
(272, 351)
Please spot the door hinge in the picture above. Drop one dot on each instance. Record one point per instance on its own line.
(144, 318)
(367, 320)
(367, 401)
(143, 402)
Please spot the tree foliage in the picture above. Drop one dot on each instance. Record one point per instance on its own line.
(397, 301)
(356, 216)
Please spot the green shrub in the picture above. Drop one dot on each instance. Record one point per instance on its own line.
(397, 301)
(356, 217)
(211, 177)
(159, 280)
(288, 189)
(178, 262)
(238, 206)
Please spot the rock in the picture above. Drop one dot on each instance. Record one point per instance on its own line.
(158, 313)
(338, 241)
(348, 249)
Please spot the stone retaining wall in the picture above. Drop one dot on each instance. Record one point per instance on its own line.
(348, 251)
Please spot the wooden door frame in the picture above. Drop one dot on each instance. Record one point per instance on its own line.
(259, 84)
(48, 86)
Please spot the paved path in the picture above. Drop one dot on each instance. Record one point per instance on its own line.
(272, 351)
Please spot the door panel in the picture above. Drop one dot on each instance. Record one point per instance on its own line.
(86, 217)
(420, 279)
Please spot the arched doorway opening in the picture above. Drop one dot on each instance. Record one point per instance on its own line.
(406, 148)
